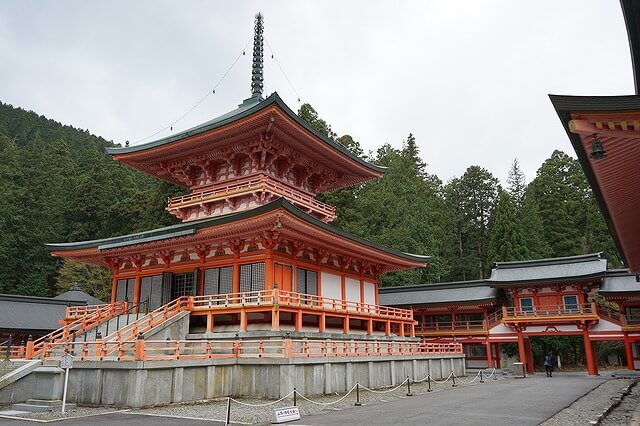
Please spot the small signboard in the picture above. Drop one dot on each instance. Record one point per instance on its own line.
(287, 414)
(519, 371)
(66, 361)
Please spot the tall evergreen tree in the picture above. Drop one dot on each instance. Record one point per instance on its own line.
(506, 241)
(516, 184)
(472, 199)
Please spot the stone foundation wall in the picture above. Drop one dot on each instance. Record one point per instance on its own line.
(139, 384)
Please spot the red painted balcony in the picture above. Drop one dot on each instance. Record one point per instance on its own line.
(238, 188)
(459, 327)
(544, 314)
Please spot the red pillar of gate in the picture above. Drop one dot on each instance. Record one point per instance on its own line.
(629, 351)
(529, 363)
(592, 367)
(497, 347)
(521, 348)
(489, 354)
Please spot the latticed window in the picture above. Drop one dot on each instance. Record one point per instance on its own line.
(252, 277)
(307, 281)
(218, 280)
(182, 285)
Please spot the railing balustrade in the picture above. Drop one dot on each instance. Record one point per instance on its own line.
(550, 311)
(164, 350)
(242, 186)
(83, 324)
(286, 298)
(436, 327)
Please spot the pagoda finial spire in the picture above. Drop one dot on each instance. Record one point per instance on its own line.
(257, 77)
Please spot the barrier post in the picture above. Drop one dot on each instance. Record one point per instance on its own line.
(357, 404)
(429, 383)
(227, 418)
(481, 379)
(454, 379)
(295, 399)
(409, 386)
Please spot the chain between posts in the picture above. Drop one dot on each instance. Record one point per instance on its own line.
(357, 388)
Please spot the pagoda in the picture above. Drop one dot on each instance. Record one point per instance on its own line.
(255, 250)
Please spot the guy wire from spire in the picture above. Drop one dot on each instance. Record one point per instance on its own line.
(273, 56)
(210, 92)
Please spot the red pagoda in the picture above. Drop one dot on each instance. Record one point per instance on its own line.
(255, 252)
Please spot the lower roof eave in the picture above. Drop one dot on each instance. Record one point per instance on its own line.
(278, 210)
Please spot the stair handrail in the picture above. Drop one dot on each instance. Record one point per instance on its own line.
(141, 325)
(84, 324)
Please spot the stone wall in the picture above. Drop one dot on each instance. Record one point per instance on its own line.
(139, 384)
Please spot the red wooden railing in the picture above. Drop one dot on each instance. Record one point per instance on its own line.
(442, 327)
(161, 350)
(291, 299)
(243, 186)
(96, 317)
(588, 309)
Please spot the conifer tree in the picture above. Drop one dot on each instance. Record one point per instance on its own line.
(506, 242)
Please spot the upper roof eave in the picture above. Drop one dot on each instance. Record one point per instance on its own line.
(187, 228)
(565, 105)
(237, 114)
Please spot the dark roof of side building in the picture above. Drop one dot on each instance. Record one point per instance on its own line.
(619, 282)
(76, 294)
(463, 292)
(32, 314)
(557, 269)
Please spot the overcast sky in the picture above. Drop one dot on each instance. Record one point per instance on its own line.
(469, 79)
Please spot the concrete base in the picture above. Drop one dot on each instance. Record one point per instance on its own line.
(140, 384)
(42, 406)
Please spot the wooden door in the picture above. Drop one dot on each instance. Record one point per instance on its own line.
(548, 302)
(282, 276)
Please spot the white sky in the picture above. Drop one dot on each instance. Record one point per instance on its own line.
(468, 78)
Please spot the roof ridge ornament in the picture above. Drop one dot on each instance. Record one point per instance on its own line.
(257, 68)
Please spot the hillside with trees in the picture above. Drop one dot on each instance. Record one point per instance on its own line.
(58, 185)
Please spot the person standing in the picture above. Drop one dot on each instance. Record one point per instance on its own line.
(548, 364)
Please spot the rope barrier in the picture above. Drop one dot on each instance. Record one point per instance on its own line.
(328, 403)
(266, 404)
(388, 390)
(428, 377)
(462, 382)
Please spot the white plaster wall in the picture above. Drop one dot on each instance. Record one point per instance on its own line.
(353, 290)
(604, 325)
(369, 293)
(331, 286)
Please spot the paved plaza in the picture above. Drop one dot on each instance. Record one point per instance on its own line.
(507, 401)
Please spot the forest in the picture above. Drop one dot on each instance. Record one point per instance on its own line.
(58, 185)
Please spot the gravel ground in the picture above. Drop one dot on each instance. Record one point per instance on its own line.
(591, 406)
(628, 412)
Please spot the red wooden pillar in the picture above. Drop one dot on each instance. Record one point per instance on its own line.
(529, 362)
(589, 354)
(521, 348)
(497, 347)
(114, 286)
(489, 354)
(628, 346)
